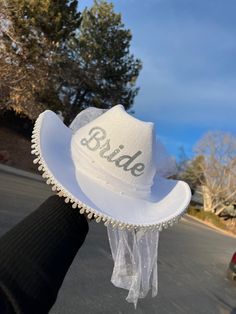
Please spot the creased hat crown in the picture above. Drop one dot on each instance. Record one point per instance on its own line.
(117, 148)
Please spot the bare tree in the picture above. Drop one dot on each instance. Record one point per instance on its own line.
(216, 170)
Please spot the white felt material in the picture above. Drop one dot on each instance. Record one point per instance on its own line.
(167, 198)
(165, 164)
(118, 128)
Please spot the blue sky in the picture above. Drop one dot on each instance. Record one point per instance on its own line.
(188, 81)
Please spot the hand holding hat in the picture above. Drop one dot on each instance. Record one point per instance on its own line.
(109, 165)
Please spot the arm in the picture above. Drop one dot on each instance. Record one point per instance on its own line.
(35, 256)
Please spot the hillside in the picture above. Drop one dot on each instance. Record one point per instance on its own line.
(15, 150)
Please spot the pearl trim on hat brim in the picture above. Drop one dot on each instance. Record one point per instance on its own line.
(77, 204)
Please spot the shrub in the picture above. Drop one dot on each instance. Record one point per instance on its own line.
(207, 216)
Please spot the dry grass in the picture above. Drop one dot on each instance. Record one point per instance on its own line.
(210, 218)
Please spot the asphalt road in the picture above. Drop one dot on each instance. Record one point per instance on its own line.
(192, 263)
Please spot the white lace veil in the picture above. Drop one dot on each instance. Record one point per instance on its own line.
(134, 252)
(135, 261)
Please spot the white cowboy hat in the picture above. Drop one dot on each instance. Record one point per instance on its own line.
(108, 168)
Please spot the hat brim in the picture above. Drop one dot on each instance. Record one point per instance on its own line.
(52, 145)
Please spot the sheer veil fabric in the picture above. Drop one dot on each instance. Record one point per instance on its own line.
(135, 256)
(135, 253)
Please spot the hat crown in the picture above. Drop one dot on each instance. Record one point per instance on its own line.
(117, 148)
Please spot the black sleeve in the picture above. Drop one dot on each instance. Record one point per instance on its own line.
(35, 256)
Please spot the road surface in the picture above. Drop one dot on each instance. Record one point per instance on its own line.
(192, 263)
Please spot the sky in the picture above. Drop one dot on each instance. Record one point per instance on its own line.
(188, 81)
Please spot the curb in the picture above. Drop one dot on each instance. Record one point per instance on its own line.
(20, 173)
(228, 233)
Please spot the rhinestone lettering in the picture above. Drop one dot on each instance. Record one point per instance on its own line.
(97, 141)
